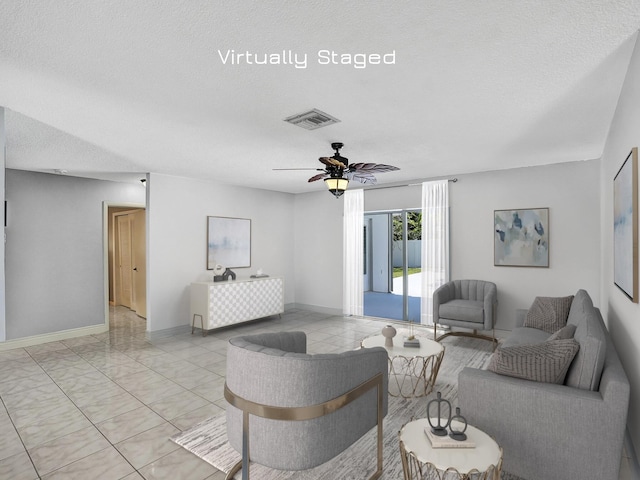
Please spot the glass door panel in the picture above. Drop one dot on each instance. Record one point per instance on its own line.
(392, 279)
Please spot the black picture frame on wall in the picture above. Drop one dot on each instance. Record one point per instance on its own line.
(625, 227)
(228, 242)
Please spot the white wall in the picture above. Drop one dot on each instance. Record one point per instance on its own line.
(318, 251)
(177, 237)
(2, 247)
(570, 191)
(55, 252)
(622, 316)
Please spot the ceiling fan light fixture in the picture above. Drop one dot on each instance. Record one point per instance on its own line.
(336, 186)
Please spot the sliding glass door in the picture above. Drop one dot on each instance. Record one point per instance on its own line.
(392, 264)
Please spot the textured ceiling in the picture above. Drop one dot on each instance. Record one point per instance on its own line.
(105, 88)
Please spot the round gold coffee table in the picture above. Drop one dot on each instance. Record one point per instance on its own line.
(412, 370)
(420, 461)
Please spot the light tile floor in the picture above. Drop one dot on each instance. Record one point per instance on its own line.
(104, 406)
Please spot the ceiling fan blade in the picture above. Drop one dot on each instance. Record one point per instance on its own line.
(362, 177)
(372, 167)
(332, 162)
(317, 169)
(317, 177)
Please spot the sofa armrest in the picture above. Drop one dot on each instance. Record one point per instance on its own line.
(541, 425)
(442, 294)
(490, 305)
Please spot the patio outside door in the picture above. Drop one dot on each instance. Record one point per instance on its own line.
(392, 265)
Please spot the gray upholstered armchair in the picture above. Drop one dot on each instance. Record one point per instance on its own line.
(470, 304)
(296, 411)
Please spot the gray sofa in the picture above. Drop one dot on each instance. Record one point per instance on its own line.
(550, 431)
(301, 410)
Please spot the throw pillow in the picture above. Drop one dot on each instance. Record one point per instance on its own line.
(564, 333)
(548, 313)
(546, 362)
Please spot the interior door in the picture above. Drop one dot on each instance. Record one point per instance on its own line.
(139, 262)
(125, 268)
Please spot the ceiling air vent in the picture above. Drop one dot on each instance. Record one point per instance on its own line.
(312, 119)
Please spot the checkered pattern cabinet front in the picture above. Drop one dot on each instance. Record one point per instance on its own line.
(227, 303)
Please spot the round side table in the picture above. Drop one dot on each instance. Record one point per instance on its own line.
(412, 370)
(420, 461)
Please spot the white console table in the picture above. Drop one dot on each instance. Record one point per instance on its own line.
(219, 304)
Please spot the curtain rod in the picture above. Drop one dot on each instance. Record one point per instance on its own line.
(452, 180)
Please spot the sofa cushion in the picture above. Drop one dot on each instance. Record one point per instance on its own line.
(525, 336)
(548, 313)
(545, 362)
(463, 310)
(586, 369)
(564, 333)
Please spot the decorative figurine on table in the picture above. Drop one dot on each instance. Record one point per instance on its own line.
(439, 429)
(388, 333)
(458, 435)
(411, 340)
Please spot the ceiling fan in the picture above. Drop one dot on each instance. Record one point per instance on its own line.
(338, 172)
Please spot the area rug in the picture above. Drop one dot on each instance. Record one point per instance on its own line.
(208, 439)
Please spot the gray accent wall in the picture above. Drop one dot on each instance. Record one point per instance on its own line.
(621, 315)
(54, 250)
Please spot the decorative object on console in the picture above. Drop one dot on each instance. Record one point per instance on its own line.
(228, 273)
(228, 242)
(388, 333)
(259, 274)
(521, 238)
(218, 270)
(625, 227)
(439, 429)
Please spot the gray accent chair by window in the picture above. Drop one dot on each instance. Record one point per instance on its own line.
(468, 304)
(289, 410)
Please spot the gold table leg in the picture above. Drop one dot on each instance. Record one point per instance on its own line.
(193, 324)
(409, 372)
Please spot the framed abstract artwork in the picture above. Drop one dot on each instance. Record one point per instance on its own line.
(228, 242)
(625, 227)
(521, 238)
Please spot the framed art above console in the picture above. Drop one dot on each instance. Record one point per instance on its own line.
(228, 242)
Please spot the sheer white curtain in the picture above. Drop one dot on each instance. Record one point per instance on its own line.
(435, 243)
(353, 248)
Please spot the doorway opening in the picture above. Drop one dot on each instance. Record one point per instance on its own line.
(393, 264)
(126, 262)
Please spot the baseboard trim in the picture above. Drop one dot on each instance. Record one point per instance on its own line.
(631, 454)
(318, 309)
(52, 337)
(167, 332)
